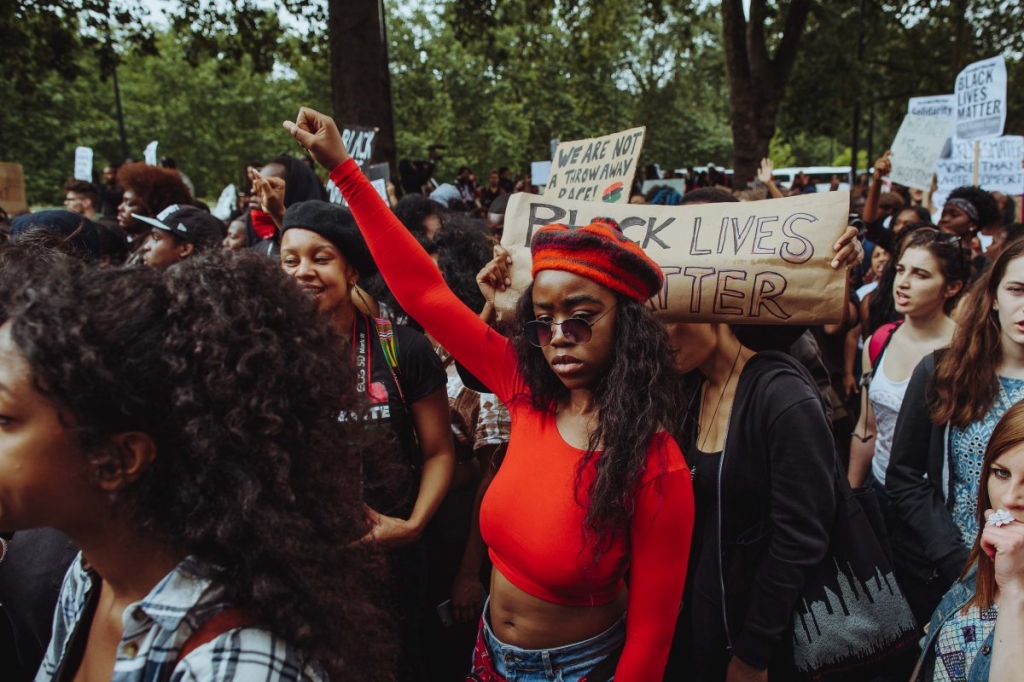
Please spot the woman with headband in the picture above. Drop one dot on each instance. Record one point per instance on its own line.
(592, 485)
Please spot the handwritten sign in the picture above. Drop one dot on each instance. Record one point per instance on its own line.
(596, 169)
(83, 164)
(918, 145)
(999, 166)
(755, 262)
(359, 141)
(935, 106)
(150, 153)
(12, 188)
(981, 99)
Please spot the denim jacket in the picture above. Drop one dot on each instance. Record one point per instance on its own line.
(958, 596)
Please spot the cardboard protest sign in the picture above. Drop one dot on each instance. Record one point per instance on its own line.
(754, 262)
(999, 166)
(359, 141)
(981, 99)
(935, 106)
(12, 188)
(917, 147)
(596, 169)
(150, 153)
(83, 164)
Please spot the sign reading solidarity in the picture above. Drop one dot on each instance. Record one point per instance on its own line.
(917, 147)
(596, 169)
(999, 166)
(359, 141)
(936, 106)
(981, 99)
(756, 262)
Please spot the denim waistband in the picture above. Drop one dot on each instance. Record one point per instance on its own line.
(578, 657)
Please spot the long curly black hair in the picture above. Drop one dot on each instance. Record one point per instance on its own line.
(638, 395)
(229, 369)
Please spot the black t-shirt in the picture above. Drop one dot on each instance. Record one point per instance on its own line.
(391, 479)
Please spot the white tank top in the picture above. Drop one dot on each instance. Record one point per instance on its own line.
(885, 396)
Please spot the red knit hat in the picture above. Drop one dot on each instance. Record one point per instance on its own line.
(600, 252)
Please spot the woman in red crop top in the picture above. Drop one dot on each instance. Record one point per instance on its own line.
(591, 485)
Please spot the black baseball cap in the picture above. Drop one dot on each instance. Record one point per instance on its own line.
(187, 223)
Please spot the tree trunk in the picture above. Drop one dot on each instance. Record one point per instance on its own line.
(757, 82)
(360, 79)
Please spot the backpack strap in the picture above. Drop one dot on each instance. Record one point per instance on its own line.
(880, 341)
(212, 628)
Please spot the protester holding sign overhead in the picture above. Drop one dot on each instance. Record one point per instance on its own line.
(605, 480)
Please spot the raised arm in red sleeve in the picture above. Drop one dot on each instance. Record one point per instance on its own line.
(417, 284)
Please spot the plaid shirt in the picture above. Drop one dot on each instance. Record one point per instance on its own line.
(156, 628)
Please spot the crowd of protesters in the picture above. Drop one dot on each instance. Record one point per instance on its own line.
(299, 443)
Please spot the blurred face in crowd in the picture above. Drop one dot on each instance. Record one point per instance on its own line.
(920, 288)
(319, 268)
(494, 179)
(162, 249)
(955, 221)
(78, 203)
(236, 236)
(110, 175)
(879, 259)
(271, 170)
(902, 220)
(1009, 303)
(131, 204)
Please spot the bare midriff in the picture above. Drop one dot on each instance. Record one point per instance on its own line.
(522, 620)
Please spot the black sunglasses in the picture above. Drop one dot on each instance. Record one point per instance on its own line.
(576, 330)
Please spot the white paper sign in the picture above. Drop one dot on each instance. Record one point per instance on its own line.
(935, 106)
(150, 153)
(540, 171)
(381, 186)
(981, 99)
(83, 164)
(226, 203)
(596, 169)
(999, 166)
(917, 147)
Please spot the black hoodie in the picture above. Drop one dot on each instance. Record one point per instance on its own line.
(777, 507)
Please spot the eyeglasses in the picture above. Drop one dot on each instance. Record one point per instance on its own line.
(576, 330)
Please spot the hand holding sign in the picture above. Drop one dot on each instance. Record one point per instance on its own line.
(755, 262)
(319, 135)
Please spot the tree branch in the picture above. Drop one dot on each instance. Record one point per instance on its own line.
(785, 57)
(734, 39)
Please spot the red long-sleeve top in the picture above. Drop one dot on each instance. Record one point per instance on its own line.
(530, 516)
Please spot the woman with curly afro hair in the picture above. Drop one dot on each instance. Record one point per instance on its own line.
(181, 428)
(147, 191)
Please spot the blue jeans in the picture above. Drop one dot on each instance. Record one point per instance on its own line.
(569, 663)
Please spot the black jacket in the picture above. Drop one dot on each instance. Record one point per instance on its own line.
(777, 503)
(925, 540)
